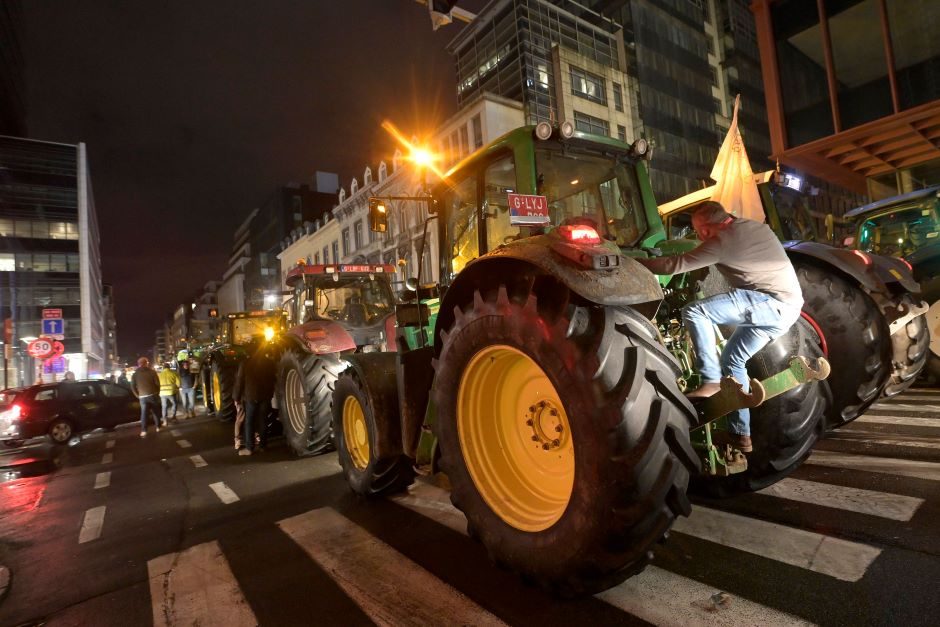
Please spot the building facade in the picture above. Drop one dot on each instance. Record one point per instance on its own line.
(49, 255)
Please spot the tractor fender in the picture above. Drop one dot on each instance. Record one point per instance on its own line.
(628, 285)
(321, 337)
(878, 276)
(226, 355)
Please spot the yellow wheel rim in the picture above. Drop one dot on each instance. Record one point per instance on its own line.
(355, 432)
(515, 438)
(216, 392)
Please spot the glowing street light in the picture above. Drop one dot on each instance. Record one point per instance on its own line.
(419, 155)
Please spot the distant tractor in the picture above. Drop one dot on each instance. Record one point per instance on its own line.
(907, 226)
(550, 393)
(335, 310)
(862, 307)
(219, 362)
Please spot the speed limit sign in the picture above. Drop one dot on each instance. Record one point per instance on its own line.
(40, 348)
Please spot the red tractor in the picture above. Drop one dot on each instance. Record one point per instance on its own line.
(334, 310)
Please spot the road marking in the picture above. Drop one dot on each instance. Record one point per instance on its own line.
(905, 407)
(390, 588)
(176, 433)
(109, 444)
(184, 443)
(198, 461)
(197, 587)
(434, 503)
(91, 524)
(885, 465)
(102, 480)
(896, 420)
(913, 397)
(664, 598)
(835, 557)
(885, 439)
(107, 458)
(225, 493)
(881, 504)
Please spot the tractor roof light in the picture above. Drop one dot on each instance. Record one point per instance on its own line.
(580, 234)
(543, 130)
(640, 147)
(566, 129)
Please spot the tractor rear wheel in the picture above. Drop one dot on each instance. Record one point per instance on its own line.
(368, 435)
(910, 350)
(563, 433)
(223, 388)
(852, 335)
(304, 393)
(785, 428)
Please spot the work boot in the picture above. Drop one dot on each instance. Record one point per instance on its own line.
(245, 451)
(734, 440)
(706, 390)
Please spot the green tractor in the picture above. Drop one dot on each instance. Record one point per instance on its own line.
(551, 390)
(908, 227)
(861, 307)
(219, 362)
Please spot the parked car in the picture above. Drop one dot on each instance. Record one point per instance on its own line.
(63, 410)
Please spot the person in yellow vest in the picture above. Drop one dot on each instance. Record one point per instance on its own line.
(169, 386)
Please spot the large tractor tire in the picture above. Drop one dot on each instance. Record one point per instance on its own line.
(853, 336)
(205, 383)
(564, 435)
(932, 321)
(785, 428)
(223, 388)
(910, 348)
(367, 430)
(304, 394)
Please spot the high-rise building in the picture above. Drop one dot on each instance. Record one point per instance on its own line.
(49, 254)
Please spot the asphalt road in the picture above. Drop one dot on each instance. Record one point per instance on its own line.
(176, 529)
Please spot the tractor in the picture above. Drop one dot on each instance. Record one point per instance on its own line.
(859, 305)
(219, 363)
(334, 311)
(908, 227)
(550, 392)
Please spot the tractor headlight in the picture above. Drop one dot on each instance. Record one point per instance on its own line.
(543, 130)
(567, 129)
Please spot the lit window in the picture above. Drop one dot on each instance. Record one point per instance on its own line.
(7, 262)
(588, 86)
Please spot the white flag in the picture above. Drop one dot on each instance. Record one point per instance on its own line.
(736, 189)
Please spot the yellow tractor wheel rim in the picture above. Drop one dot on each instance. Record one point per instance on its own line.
(355, 433)
(515, 438)
(216, 392)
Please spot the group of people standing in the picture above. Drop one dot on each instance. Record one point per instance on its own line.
(153, 388)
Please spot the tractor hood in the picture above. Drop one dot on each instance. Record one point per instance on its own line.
(323, 336)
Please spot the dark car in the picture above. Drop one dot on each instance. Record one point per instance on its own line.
(63, 410)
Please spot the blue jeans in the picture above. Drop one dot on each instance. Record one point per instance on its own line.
(168, 402)
(189, 399)
(148, 404)
(759, 319)
(256, 412)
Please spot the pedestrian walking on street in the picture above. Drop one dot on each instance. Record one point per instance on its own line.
(188, 389)
(169, 386)
(146, 387)
(254, 388)
(122, 380)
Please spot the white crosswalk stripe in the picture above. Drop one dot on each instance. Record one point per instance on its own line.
(102, 480)
(886, 439)
(197, 587)
(225, 493)
(390, 588)
(904, 421)
(886, 406)
(882, 504)
(885, 465)
(92, 523)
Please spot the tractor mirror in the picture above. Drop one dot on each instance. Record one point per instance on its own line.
(848, 241)
(378, 215)
(412, 284)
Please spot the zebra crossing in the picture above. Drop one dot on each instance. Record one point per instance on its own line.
(759, 534)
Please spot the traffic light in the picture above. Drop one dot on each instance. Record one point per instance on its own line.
(213, 313)
(378, 215)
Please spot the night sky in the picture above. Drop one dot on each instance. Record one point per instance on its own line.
(195, 110)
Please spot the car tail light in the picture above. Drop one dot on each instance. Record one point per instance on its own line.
(18, 411)
(865, 258)
(580, 234)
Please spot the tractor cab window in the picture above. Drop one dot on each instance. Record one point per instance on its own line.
(290, 306)
(795, 218)
(592, 187)
(357, 301)
(499, 180)
(899, 233)
(244, 329)
(680, 226)
(460, 207)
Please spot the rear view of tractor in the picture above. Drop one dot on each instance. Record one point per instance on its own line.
(908, 227)
(219, 362)
(861, 308)
(550, 394)
(335, 310)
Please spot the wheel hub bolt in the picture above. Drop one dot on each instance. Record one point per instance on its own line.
(559, 428)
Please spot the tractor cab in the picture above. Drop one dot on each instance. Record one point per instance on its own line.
(898, 226)
(242, 327)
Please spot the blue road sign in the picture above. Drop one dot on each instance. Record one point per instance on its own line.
(53, 326)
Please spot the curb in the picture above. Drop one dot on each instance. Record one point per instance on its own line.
(6, 578)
